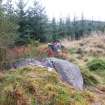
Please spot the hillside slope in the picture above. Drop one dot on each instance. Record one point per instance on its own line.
(34, 85)
(93, 45)
(38, 86)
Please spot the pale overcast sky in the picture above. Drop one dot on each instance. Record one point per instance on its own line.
(64, 8)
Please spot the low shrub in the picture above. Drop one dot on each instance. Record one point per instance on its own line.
(96, 64)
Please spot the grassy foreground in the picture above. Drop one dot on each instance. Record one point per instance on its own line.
(38, 86)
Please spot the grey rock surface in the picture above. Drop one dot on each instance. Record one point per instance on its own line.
(25, 62)
(68, 71)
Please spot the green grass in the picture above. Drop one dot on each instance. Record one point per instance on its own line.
(96, 64)
(90, 78)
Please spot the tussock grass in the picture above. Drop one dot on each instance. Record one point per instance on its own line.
(38, 86)
(92, 46)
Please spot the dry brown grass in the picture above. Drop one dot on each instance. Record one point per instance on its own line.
(94, 45)
(95, 41)
(1, 76)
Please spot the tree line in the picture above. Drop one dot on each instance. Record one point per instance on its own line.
(20, 24)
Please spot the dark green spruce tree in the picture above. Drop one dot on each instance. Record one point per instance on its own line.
(68, 28)
(37, 22)
(21, 21)
(54, 29)
(61, 29)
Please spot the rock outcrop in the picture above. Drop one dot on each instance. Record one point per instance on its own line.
(69, 72)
